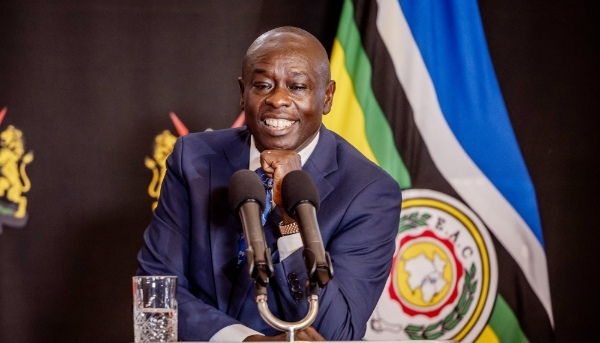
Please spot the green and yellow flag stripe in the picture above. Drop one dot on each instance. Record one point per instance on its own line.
(356, 114)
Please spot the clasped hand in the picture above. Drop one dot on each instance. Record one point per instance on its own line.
(276, 164)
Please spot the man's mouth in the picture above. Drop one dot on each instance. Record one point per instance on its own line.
(279, 123)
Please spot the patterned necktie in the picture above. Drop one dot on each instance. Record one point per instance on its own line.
(268, 184)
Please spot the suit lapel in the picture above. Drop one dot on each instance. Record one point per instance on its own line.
(322, 162)
(225, 236)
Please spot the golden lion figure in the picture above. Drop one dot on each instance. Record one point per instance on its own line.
(163, 146)
(14, 181)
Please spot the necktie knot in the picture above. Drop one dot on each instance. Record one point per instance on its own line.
(267, 181)
(268, 184)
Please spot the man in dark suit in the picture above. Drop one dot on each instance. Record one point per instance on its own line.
(285, 89)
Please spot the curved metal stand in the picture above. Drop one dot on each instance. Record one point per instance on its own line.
(289, 328)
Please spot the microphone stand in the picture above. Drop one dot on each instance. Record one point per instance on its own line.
(290, 328)
(317, 276)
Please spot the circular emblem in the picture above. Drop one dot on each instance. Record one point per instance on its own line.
(444, 274)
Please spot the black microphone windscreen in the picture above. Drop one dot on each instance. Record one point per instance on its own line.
(245, 185)
(298, 186)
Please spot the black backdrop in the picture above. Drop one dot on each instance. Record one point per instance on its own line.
(91, 84)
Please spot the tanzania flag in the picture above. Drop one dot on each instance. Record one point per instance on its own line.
(417, 94)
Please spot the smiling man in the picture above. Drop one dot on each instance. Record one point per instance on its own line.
(285, 90)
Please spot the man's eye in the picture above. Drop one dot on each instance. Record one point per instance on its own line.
(262, 86)
(298, 87)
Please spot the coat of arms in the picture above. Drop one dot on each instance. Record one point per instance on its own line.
(14, 181)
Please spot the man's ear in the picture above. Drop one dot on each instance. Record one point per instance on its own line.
(241, 85)
(329, 92)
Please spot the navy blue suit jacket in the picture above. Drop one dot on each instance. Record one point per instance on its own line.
(194, 235)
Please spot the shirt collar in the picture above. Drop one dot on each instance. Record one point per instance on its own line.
(305, 153)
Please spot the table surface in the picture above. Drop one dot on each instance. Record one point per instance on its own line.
(404, 341)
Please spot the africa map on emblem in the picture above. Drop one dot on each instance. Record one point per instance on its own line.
(444, 273)
(426, 275)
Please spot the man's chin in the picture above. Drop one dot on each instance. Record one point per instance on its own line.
(278, 144)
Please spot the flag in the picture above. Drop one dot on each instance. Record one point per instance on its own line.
(417, 94)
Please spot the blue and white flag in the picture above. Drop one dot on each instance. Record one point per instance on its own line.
(418, 95)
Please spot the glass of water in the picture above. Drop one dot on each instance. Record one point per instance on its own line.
(154, 309)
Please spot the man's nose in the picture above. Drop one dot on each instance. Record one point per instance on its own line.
(279, 97)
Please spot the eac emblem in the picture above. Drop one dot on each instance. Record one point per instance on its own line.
(444, 275)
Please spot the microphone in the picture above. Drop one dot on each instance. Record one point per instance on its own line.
(301, 200)
(247, 197)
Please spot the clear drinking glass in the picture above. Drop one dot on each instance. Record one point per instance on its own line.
(154, 309)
